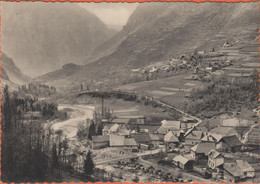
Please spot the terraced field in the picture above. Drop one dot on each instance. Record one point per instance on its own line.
(171, 90)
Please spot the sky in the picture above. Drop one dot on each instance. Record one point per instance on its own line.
(111, 13)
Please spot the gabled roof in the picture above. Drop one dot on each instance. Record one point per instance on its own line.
(114, 128)
(170, 137)
(169, 125)
(116, 140)
(179, 158)
(214, 153)
(196, 135)
(108, 126)
(130, 142)
(203, 147)
(234, 170)
(232, 141)
(244, 166)
(224, 131)
(141, 137)
(154, 137)
(210, 138)
(100, 138)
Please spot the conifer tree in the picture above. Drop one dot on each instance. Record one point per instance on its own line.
(88, 165)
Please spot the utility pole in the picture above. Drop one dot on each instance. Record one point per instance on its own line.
(102, 107)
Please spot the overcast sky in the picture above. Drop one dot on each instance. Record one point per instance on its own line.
(111, 13)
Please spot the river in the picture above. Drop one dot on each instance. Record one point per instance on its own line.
(77, 114)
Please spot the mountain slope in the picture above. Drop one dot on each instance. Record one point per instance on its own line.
(45, 36)
(11, 72)
(159, 31)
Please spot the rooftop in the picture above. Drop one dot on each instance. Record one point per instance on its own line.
(169, 125)
(203, 147)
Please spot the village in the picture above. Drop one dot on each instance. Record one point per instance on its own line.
(183, 148)
(219, 154)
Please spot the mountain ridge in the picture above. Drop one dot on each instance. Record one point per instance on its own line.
(68, 33)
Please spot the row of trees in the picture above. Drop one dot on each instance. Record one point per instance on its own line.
(37, 89)
(29, 151)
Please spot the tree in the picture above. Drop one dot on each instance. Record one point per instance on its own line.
(55, 159)
(91, 130)
(99, 129)
(88, 165)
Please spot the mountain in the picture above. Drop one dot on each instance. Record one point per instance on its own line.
(11, 72)
(159, 31)
(4, 74)
(42, 37)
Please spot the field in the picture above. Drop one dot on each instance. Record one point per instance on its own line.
(171, 90)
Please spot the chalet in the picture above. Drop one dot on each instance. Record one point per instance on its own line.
(142, 138)
(171, 140)
(169, 126)
(105, 130)
(193, 138)
(223, 131)
(130, 144)
(246, 168)
(201, 150)
(183, 162)
(229, 144)
(114, 129)
(232, 173)
(215, 160)
(223, 143)
(122, 141)
(100, 141)
(156, 139)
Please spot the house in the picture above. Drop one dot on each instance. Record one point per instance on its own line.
(232, 173)
(156, 139)
(169, 126)
(215, 160)
(224, 131)
(246, 168)
(123, 130)
(113, 129)
(100, 141)
(238, 171)
(193, 138)
(122, 141)
(201, 150)
(142, 138)
(105, 130)
(171, 140)
(116, 140)
(229, 144)
(130, 144)
(183, 162)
